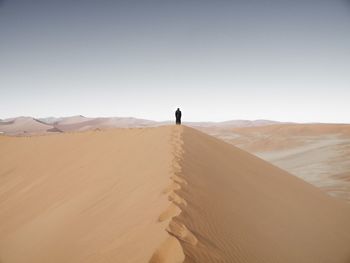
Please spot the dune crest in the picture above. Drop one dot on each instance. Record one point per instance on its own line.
(170, 251)
(230, 206)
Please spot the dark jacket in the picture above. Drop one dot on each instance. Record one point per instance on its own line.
(178, 114)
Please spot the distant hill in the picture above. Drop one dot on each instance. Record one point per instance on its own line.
(32, 126)
(20, 126)
(234, 123)
(23, 126)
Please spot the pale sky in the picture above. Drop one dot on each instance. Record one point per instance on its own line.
(216, 60)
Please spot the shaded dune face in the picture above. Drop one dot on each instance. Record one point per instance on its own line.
(159, 195)
(242, 209)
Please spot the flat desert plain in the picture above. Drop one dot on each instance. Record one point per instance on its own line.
(164, 194)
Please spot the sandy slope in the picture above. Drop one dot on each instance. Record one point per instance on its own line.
(86, 197)
(242, 209)
(167, 194)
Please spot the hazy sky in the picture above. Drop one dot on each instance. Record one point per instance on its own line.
(216, 60)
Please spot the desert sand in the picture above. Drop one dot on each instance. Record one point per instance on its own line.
(316, 153)
(166, 194)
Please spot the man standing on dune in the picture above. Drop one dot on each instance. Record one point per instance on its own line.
(178, 116)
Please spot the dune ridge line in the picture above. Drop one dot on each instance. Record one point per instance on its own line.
(171, 250)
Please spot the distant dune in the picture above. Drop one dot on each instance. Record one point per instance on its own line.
(234, 123)
(81, 123)
(23, 126)
(166, 194)
(317, 153)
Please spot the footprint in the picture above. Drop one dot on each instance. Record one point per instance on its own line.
(181, 232)
(172, 211)
(178, 179)
(176, 166)
(172, 187)
(170, 251)
(173, 197)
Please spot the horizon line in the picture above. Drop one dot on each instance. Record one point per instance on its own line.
(169, 120)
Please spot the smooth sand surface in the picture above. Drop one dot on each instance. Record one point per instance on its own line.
(84, 197)
(167, 194)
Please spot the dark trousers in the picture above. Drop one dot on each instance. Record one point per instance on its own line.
(178, 121)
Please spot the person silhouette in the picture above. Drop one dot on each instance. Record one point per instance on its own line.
(178, 116)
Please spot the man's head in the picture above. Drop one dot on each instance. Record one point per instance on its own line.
(178, 108)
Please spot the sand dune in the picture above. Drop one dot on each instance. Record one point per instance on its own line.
(166, 194)
(317, 153)
(277, 136)
(31, 126)
(23, 126)
(232, 124)
(101, 123)
(243, 209)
